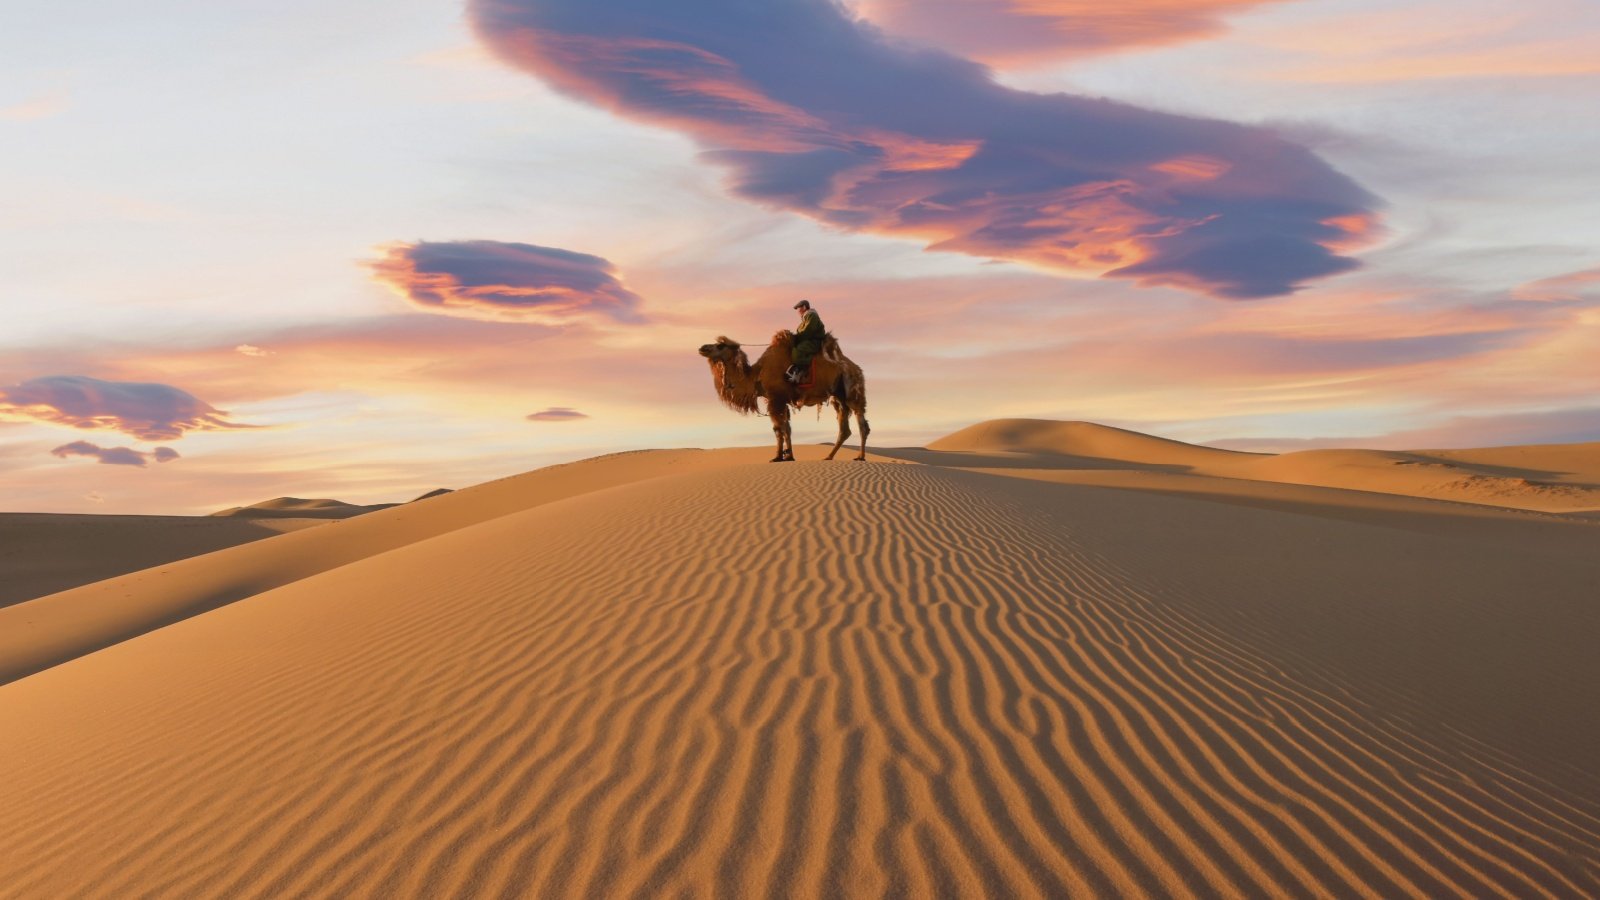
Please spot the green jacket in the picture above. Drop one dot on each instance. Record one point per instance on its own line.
(808, 338)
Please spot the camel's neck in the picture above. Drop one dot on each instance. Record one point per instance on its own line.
(736, 383)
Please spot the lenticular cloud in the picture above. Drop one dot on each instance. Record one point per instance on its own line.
(815, 112)
(499, 280)
(115, 456)
(557, 414)
(151, 412)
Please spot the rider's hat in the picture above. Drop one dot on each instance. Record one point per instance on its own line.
(803, 304)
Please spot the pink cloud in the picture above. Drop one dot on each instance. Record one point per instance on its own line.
(1576, 287)
(1428, 41)
(436, 361)
(504, 281)
(115, 456)
(1024, 31)
(151, 412)
(889, 139)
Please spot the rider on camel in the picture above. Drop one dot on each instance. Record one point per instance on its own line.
(807, 341)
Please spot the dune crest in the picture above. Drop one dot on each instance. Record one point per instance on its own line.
(298, 508)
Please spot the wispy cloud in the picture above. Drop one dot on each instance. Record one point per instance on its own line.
(1023, 31)
(115, 456)
(1440, 40)
(151, 412)
(557, 414)
(506, 281)
(1576, 287)
(892, 139)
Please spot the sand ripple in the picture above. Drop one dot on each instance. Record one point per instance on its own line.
(810, 681)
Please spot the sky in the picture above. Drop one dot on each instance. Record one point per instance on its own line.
(363, 249)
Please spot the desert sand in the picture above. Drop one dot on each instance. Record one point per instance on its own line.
(1033, 659)
(1559, 478)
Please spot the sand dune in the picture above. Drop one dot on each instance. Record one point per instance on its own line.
(1561, 463)
(1085, 441)
(63, 626)
(1558, 478)
(297, 508)
(46, 553)
(43, 553)
(672, 674)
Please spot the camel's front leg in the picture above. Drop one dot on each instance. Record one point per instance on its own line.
(780, 429)
(844, 427)
(861, 419)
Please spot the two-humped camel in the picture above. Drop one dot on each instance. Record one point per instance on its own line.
(837, 381)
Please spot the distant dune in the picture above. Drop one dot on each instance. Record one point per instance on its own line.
(1036, 659)
(296, 508)
(1084, 440)
(43, 553)
(1555, 478)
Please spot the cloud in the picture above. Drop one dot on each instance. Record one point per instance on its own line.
(1481, 39)
(151, 412)
(497, 280)
(463, 363)
(557, 414)
(115, 456)
(1022, 31)
(1576, 287)
(251, 350)
(814, 112)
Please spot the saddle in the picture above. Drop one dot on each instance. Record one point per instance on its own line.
(807, 378)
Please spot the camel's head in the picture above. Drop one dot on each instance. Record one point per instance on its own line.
(721, 351)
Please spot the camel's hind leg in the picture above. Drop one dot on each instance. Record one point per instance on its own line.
(844, 426)
(861, 420)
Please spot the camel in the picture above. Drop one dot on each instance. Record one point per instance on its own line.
(838, 382)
